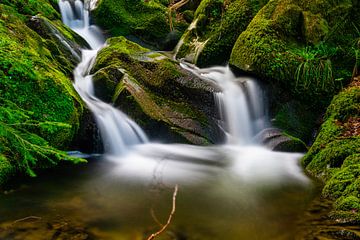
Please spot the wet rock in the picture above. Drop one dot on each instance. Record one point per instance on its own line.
(157, 93)
(148, 21)
(276, 140)
(63, 42)
(213, 32)
(286, 35)
(88, 138)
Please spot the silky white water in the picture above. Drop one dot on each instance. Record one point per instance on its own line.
(240, 103)
(241, 106)
(118, 132)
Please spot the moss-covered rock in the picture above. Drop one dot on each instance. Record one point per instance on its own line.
(148, 20)
(40, 109)
(32, 8)
(295, 44)
(155, 91)
(216, 26)
(335, 154)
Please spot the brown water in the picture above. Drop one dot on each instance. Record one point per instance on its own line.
(90, 202)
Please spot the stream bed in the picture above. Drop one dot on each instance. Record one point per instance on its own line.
(99, 201)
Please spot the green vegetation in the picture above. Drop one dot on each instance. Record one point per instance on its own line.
(22, 148)
(302, 45)
(217, 23)
(335, 154)
(40, 110)
(145, 20)
(34, 7)
(153, 90)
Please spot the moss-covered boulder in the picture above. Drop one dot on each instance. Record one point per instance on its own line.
(335, 154)
(156, 93)
(306, 46)
(146, 20)
(40, 110)
(214, 30)
(305, 51)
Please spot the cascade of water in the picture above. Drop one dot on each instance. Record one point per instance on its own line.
(117, 130)
(243, 115)
(240, 104)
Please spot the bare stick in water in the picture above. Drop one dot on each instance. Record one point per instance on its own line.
(154, 235)
(27, 218)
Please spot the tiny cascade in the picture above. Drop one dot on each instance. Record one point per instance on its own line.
(117, 130)
(241, 103)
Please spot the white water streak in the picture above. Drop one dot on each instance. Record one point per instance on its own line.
(118, 131)
(241, 103)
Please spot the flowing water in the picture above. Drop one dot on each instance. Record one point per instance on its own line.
(118, 131)
(234, 191)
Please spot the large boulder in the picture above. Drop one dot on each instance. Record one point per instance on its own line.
(214, 30)
(40, 110)
(335, 155)
(296, 44)
(146, 22)
(160, 96)
(305, 51)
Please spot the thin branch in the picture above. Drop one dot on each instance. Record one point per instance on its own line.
(154, 235)
(174, 7)
(27, 218)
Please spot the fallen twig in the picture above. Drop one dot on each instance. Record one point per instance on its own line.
(27, 218)
(174, 7)
(154, 235)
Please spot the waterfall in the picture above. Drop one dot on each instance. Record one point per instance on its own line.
(241, 103)
(118, 131)
(242, 113)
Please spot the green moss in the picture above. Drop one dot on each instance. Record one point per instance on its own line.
(334, 155)
(218, 24)
(33, 7)
(276, 47)
(315, 28)
(342, 182)
(40, 109)
(352, 160)
(345, 104)
(152, 89)
(148, 21)
(157, 73)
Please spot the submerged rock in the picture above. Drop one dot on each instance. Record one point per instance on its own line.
(160, 96)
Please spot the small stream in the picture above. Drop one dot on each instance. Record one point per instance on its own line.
(235, 191)
(97, 201)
